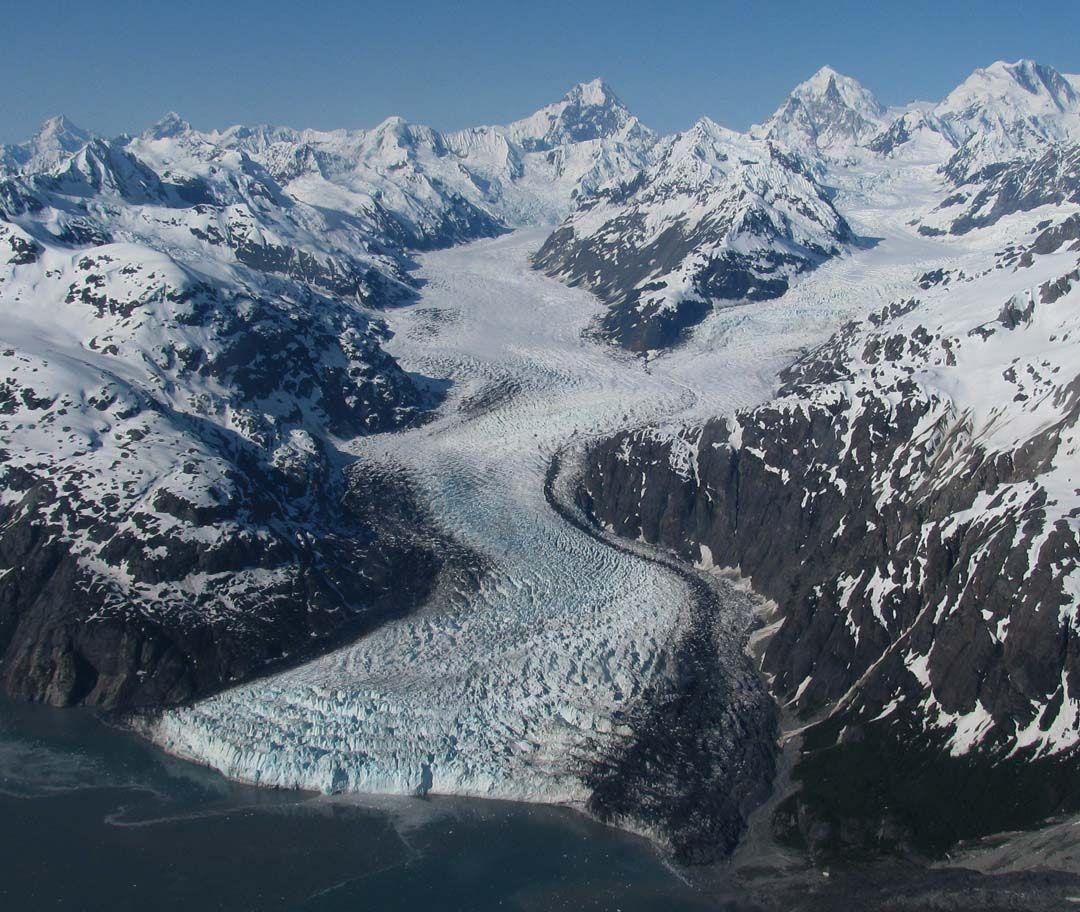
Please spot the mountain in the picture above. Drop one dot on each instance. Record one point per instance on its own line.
(185, 349)
(57, 138)
(827, 112)
(447, 187)
(1006, 111)
(999, 114)
(590, 111)
(909, 501)
(717, 219)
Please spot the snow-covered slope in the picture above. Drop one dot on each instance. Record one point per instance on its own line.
(183, 348)
(1007, 111)
(717, 218)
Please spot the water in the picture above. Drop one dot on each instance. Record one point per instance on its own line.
(93, 818)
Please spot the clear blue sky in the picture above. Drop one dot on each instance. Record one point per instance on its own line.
(118, 65)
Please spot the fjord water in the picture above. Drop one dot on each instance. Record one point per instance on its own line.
(93, 818)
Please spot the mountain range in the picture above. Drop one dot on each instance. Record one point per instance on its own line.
(195, 335)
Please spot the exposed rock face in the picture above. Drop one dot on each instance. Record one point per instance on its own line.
(177, 512)
(700, 754)
(719, 219)
(1020, 186)
(909, 502)
(160, 619)
(171, 529)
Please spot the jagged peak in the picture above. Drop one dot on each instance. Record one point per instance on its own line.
(826, 110)
(596, 93)
(172, 124)
(56, 124)
(828, 81)
(61, 131)
(823, 76)
(590, 110)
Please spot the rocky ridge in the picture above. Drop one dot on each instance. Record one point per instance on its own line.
(908, 502)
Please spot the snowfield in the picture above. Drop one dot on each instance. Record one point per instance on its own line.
(508, 691)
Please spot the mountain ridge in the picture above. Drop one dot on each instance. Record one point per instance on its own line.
(197, 333)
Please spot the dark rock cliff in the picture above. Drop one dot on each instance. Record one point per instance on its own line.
(927, 639)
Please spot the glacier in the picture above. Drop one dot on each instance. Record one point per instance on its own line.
(511, 689)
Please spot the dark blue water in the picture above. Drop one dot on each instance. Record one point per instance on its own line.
(92, 818)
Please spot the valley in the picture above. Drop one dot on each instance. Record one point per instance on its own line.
(421, 463)
(575, 629)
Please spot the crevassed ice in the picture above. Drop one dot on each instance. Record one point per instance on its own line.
(510, 690)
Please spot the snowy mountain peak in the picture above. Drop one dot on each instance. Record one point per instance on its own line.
(589, 111)
(395, 123)
(1007, 111)
(827, 110)
(57, 125)
(1037, 79)
(172, 124)
(596, 93)
(1025, 85)
(827, 80)
(59, 135)
(707, 140)
(54, 142)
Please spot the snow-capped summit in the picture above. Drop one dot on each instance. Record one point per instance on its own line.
(55, 141)
(828, 110)
(1007, 111)
(59, 133)
(594, 92)
(1023, 99)
(589, 111)
(717, 218)
(172, 124)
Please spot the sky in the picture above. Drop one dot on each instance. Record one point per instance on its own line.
(117, 66)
